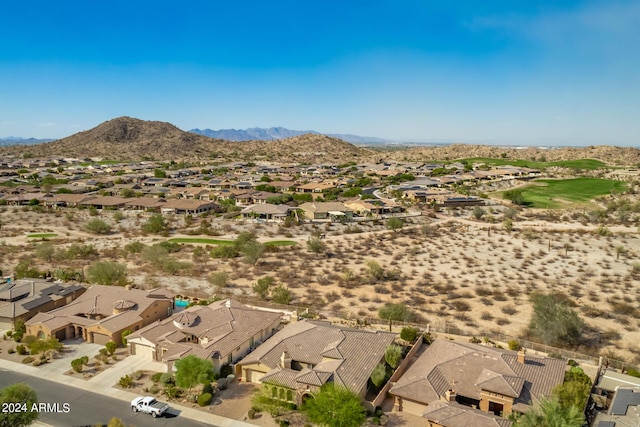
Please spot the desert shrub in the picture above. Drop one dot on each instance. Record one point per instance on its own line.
(251, 414)
(166, 379)
(428, 338)
(475, 340)
(137, 375)
(224, 251)
(154, 389)
(393, 355)
(11, 350)
(409, 333)
(98, 226)
(28, 359)
(156, 377)
(397, 311)
(134, 247)
(110, 347)
(208, 388)
(21, 350)
(205, 399)
(379, 375)
(513, 345)
(126, 381)
(76, 365)
(281, 295)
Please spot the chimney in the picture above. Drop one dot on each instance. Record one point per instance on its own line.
(449, 396)
(521, 353)
(285, 360)
(33, 288)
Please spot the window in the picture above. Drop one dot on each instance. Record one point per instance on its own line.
(230, 358)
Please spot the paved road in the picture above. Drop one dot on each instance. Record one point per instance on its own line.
(87, 408)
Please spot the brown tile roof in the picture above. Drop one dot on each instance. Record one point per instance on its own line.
(102, 300)
(468, 368)
(220, 327)
(451, 414)
(356, 352)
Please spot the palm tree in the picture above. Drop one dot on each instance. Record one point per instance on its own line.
(549, 413)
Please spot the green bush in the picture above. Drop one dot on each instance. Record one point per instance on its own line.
(76, 365)
(409, 333)
(156, 377)
(633, 372)
(205, 399)
(428, 338)
(226, 370)
(110, 347)
(22, 350)
(208, 388)
(126, 382)
(572, 362)
(251, 414)
(166, 379)
(513, 345)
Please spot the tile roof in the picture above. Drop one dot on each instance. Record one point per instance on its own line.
(451, 414)
(346, 355)
(220, 328)
(103, 301)
(26, 295)
(468, 368)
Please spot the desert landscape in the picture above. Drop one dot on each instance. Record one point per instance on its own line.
(453, 270)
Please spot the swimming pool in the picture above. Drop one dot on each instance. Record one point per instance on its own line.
(182, 303)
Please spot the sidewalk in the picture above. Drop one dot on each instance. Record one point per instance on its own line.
(103, 382)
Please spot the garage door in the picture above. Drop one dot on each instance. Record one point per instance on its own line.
(144, 351)
(61, 334)
(254, 376)
(6, 325)
(101, 339)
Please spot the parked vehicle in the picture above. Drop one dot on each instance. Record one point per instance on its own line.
(149, 405)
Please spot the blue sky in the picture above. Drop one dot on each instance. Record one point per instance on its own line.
(485, 71)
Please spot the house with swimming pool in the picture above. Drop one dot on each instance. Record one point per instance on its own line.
(102, 314)
(222, 332)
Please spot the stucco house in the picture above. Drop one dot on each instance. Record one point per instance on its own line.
(335, 211)
(305, 355)
(102, 313)
(223, 332)
(23, 299)
(488, 379)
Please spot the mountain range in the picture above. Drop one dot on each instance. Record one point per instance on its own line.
(269, 134)
(127, 138)
(16, 140)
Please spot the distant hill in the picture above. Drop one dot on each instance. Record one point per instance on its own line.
(611, 155)
(16, 140)
(270, 134)
(126, 138)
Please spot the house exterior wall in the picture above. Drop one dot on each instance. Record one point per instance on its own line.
(487, 397)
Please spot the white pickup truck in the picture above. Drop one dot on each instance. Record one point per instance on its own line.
(149, 405)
